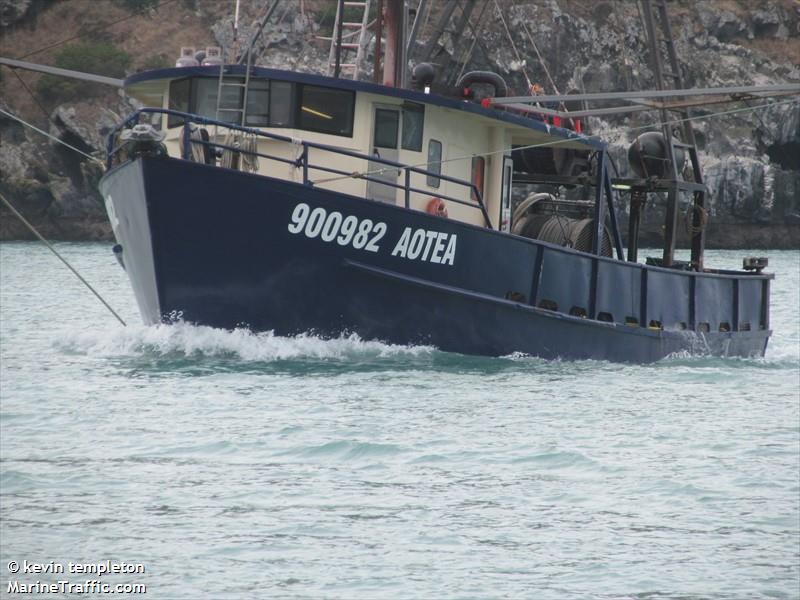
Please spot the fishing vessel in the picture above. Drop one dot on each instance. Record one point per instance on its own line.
(245, 196)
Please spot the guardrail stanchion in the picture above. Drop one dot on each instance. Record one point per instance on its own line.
(186, 132)
(304, 156)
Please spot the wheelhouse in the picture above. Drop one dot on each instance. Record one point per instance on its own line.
(460, 151)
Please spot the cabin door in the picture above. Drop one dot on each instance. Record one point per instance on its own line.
(385, 140)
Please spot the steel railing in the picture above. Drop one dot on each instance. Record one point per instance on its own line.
(302, 161)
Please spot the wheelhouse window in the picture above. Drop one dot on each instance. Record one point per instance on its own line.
(204, 98)
(386, 125)
(413, 120)
(179, 95)
(269, 104)
(326, 110)
(230, 106)
(434, 162)
(258, 103)
(199, 96)
(280, 104)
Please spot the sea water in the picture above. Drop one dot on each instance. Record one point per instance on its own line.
(227, 464)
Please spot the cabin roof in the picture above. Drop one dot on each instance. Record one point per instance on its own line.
(139, 83)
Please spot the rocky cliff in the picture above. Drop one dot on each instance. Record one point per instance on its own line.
(751, 160)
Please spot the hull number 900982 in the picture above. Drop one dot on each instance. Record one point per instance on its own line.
(365, 234)
(329, 227)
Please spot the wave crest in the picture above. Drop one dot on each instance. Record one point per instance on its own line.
(186, 339)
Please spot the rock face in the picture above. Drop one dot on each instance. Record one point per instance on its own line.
(54, 186)
(751, 159)
(287, 43)
(12, 11)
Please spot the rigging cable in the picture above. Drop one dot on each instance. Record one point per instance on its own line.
(513, 45)
(627, 68)
(539, 56)
(31, 94)
(758, 116)
(52, 137)
(93, 30)
(427, 19)
(468, 55)
(54, 251)
(544, 64)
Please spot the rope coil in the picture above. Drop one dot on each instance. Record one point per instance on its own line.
(701, 213)
(244, 157)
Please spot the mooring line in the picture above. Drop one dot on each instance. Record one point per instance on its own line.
(52, 137)
(54, 251)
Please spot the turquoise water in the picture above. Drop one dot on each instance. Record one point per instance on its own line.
(234, 465)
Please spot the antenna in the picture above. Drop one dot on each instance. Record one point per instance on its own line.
(235, 45)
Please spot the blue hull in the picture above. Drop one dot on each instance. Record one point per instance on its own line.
(226, 249)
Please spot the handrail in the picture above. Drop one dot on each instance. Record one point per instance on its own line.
(302, 160)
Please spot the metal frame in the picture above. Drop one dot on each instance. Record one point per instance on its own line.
(731, 93)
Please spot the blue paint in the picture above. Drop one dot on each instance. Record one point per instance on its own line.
(224, 257)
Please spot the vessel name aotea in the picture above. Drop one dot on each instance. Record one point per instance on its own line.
(364, 234)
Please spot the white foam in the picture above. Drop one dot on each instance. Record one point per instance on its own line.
(199, 340)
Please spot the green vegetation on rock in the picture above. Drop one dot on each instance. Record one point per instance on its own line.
(97, 58)
(139, 6)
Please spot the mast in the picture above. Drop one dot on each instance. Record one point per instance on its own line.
(394, 62)
(337, 36)
(235, 44)
(376, 67)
